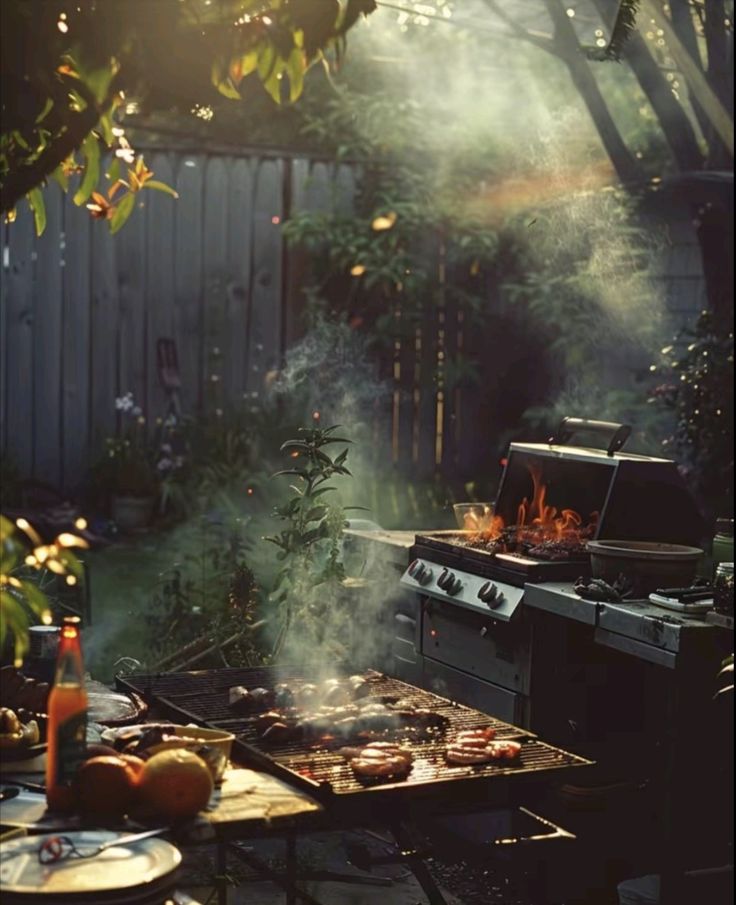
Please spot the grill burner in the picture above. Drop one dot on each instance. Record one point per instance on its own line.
(202, 698)
(451, 548)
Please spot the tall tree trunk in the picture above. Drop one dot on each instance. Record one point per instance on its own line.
(682, 22)
(567, 47)
(676, 126)
(720, 67)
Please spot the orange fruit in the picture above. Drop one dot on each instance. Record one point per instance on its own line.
(105, 786)
(175, 783)
(135, 766)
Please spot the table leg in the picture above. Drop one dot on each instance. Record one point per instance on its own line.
(291, 869)
(221, 872)
(417, 865)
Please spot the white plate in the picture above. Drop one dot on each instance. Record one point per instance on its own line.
(118, 867)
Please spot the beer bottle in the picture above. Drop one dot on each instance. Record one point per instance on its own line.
(67, 727)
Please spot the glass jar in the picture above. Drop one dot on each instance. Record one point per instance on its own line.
(723, 542)
(723, 589)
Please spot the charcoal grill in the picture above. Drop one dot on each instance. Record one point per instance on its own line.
(202, 697)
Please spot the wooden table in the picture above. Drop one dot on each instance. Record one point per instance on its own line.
(249, 804)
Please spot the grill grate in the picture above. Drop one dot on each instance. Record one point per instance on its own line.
(202, 697)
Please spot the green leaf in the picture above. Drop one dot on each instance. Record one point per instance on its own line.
(295, 68)
(302, 472)
(317, 512)
(321, 491)
(113, 174)
(104, 127)
(221, 80)
(295, 444)
(91, 151)
(160, 187)
(273, 84)
(122, 212)
(35, 199)
(14, 618)
(46, 109)
(98, 81)
(34, 597)
(60, 176)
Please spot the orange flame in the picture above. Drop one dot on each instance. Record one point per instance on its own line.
(537, 521)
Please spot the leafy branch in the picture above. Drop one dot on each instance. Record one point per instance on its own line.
(309, 541)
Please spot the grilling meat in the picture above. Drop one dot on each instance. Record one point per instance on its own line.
(476, 746)
(379, 759)
(283, 696)
(241, 700)
(330, 693)
(364, 719)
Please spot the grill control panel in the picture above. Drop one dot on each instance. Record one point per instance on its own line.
(463, 588)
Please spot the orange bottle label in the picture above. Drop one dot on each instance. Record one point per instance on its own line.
(67, 739)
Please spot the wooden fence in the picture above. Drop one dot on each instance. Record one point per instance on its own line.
(81, 312)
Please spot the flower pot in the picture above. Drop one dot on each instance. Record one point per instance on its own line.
(131, 513)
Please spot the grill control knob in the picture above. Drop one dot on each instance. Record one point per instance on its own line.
(416, 569)
(495, 604)
(488, 592)
(446, 580)
(454, 585)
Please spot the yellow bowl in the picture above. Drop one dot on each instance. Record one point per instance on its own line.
(212, 745)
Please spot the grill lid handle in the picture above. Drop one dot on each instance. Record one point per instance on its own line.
(618, 433)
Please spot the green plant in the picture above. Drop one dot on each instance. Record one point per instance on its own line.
(132, 463)
(309, 542)
(209, 592)
(698, 389)
(24, 558)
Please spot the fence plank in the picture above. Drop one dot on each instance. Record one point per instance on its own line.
(47, 345)
(297, 271)
(159, 280)
(103, 337)
(264, 341)
(239, 247)
(215, 280)
(344, 189)
(76, 342)
(4, 273)
(131, 259)
(427, 408)
(19, 340)
(188, 278)
(318, 194)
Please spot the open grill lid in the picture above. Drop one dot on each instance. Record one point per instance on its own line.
(620, 495)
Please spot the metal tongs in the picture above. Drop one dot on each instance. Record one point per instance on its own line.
(58, 848)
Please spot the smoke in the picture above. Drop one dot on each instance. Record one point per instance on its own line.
(330, 374)
(473, 101)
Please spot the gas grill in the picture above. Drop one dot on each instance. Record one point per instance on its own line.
(552, 491)
(474, 638)
(202, 697)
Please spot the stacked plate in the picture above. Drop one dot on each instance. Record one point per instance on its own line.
(128, 874)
